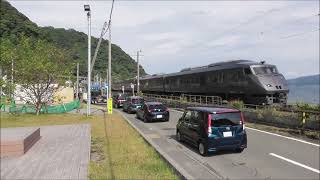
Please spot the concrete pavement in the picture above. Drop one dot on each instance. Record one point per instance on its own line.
(267, 156)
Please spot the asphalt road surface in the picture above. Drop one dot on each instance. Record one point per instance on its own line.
(268, 156)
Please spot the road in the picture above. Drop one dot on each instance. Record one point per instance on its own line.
(267, 157)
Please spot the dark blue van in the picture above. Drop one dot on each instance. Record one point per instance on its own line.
(212, 129)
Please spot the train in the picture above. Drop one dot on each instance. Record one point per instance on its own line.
(252, 82)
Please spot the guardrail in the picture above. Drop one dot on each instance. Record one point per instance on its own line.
(208, 100)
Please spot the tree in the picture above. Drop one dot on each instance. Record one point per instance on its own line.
(40, 69)
(7, 56)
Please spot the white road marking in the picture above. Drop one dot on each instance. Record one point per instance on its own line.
(294, 139)
(295, 163)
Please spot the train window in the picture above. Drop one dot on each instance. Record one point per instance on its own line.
(240, 75)
(247, 71)
(265, 70)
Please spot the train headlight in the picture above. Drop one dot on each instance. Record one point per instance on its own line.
(269, 85)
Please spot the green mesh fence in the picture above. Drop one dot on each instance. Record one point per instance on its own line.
(45, 109)
(5, 102)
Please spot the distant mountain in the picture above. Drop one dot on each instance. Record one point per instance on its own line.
(305, 80)
(13, 24)
(304, 89)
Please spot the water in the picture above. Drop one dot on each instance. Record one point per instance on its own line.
(304, 93)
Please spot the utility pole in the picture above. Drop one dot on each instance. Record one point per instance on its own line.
(98, 46)
(77, 90)
(11, 88)
(87, 9)
(109, 62)
(138, 73)
(1, 78)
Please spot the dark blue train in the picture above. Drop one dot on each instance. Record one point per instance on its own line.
(252, 82)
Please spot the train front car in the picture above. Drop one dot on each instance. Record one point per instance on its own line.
(272, 86)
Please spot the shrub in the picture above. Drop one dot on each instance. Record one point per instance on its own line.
(237, 104)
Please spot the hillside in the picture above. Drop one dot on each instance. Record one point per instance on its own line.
(305, 80)
(13, 24)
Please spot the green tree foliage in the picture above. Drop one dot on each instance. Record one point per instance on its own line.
(13, 24)
(39, 68)
(7, 54)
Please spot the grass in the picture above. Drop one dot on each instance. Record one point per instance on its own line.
(117, 150)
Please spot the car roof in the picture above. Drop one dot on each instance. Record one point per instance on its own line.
(154, 103)
(213, 110)
(136, 97)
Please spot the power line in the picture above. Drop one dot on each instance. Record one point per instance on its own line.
(103, 32)
(299, 34)
(110, 16)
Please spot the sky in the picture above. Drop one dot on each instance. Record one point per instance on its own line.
(173, 35)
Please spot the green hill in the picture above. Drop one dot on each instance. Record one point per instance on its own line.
(13, 24)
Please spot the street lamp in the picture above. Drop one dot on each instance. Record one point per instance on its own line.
(87, 9)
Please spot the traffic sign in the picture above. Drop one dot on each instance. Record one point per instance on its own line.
(109, 105)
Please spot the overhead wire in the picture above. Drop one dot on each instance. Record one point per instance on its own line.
(105, 28)
(110, 16)
(299, 34)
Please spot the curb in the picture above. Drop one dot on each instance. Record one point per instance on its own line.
(182, 172)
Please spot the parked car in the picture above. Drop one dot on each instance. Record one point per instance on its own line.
(96, 97)
(132, 103)
(212, 129)
(118, 100)
(153, 111)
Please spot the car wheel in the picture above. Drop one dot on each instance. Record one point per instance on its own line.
(137, 116)
(117, 106)
(179, 137)
(202, 148)
(239, 150)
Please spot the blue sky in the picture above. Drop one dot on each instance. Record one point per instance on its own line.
(178, 34)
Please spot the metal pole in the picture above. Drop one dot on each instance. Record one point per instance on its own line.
(77, 90)
(109, 62)
(1, 79)
(11, 87)
(89, 63)
(138, 74)
(98, 46)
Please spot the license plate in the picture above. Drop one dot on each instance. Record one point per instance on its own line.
(227, 134)
(159, 116)
(138, 106)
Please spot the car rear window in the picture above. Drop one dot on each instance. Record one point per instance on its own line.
(137, 101)
(225, 119)
(157, 106)
(121, 97)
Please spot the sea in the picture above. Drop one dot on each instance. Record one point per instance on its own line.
(304, 93)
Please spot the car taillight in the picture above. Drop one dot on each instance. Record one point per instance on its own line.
(242, 119)
(209, 131)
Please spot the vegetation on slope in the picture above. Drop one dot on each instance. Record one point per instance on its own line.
(14, 25)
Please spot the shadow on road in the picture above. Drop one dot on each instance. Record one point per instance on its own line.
(194, 149)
